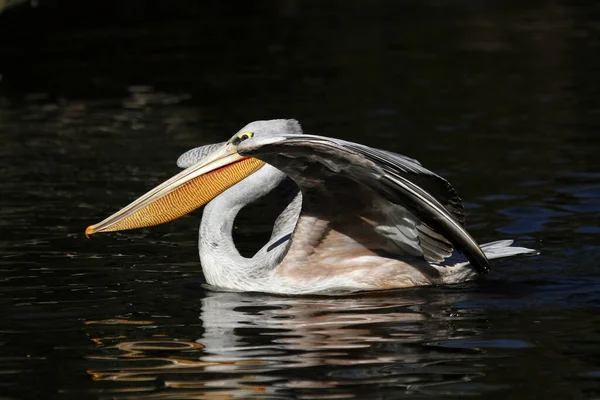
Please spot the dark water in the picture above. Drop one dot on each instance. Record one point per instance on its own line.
(96, 104)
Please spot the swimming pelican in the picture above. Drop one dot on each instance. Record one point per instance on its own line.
(356, 218)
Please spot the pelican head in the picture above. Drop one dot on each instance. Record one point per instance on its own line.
(196, 185)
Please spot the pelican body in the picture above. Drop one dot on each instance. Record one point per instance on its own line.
(355, 219)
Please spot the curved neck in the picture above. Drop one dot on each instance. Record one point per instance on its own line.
(222, 264)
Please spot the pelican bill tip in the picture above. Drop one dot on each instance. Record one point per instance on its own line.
(90, 230)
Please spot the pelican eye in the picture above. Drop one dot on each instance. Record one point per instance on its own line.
(241, 137)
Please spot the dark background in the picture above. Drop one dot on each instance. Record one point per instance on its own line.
(98, 98)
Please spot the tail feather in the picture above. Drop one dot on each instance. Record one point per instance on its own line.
(453, 269)
(503, 248)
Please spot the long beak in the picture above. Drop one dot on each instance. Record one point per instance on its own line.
(184, 192)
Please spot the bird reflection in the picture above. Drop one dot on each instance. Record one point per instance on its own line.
(255, 344)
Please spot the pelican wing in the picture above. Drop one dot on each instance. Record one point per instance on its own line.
(349, 184)
(412, 170)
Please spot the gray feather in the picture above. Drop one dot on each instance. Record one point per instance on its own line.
(194, 155)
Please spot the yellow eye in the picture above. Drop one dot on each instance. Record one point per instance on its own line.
(241, 137)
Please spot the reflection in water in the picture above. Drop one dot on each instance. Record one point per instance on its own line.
(254, 343)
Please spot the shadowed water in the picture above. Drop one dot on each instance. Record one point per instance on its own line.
(501, 100)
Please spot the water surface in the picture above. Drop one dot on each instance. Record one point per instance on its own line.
(501, 100)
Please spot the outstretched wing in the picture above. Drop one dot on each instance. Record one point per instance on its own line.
(350, 185)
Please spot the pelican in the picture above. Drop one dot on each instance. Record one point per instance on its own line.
(356, 218)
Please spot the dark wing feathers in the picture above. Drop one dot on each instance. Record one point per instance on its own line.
(412, 170)
(424, 192)
(435, 216)
(399, 179)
